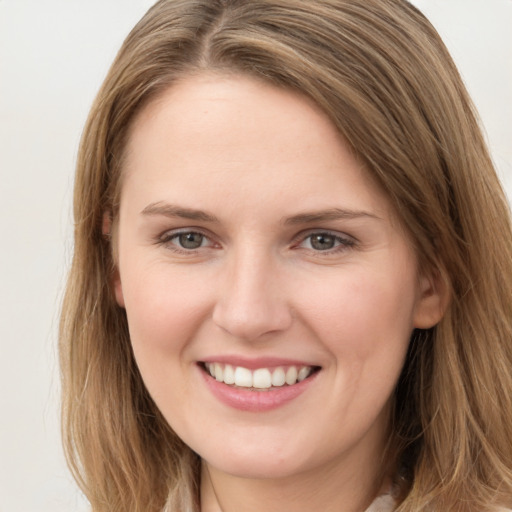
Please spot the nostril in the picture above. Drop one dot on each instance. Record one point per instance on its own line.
(251, 322)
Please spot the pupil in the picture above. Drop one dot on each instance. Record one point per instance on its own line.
(191, 240)
(322, 242)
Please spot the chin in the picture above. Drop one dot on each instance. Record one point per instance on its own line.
(256, 469)
(261, 462)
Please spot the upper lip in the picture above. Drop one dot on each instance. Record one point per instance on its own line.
(255, 363)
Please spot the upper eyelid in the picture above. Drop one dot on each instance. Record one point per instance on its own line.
(331, 232)
(169, 234)
(167, 238)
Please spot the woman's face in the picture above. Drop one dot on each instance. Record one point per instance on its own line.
(253, 245)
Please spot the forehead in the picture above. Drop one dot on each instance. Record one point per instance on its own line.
(244, 108)
(217, 132)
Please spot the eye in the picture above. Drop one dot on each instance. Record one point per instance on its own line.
(185, 240)
(325, 241)
(322, 241)
(190, 240)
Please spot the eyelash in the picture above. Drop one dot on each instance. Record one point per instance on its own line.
(343, 243)
(166, 240)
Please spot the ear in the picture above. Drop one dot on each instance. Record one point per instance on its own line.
(106, 230)
(118, 288)
(106, 224)
(434, 297)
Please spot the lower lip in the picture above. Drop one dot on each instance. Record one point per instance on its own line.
(256, 401)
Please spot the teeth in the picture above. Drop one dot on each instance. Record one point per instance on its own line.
(291, 375)
(278, 377)
(243, 377)
(229, 374)
(303, 373)
(219, 372)
(262, 378)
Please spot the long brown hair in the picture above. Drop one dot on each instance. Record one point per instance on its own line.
(381, 73)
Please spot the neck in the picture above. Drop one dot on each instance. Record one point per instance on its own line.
(330, 489)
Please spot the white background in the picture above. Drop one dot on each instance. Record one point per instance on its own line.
(53, 57)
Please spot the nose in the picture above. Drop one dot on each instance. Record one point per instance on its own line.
(252, 300)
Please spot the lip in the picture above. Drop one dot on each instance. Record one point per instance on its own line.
(255, 401)
(255, 363)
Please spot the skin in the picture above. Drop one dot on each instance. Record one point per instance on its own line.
(257, 158)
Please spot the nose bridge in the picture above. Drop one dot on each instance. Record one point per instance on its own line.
(251, 299)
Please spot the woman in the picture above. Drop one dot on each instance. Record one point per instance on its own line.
(291, 287)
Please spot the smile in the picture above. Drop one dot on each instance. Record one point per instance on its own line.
(259, 379)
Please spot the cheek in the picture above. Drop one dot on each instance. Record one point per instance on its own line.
(165, 307)
(365, 322)
(165, 310)
(360, 298)
(365, 318)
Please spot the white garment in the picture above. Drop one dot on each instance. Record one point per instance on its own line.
(384, 503)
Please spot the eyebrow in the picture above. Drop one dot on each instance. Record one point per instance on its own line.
(329, 214)
(172, 211)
